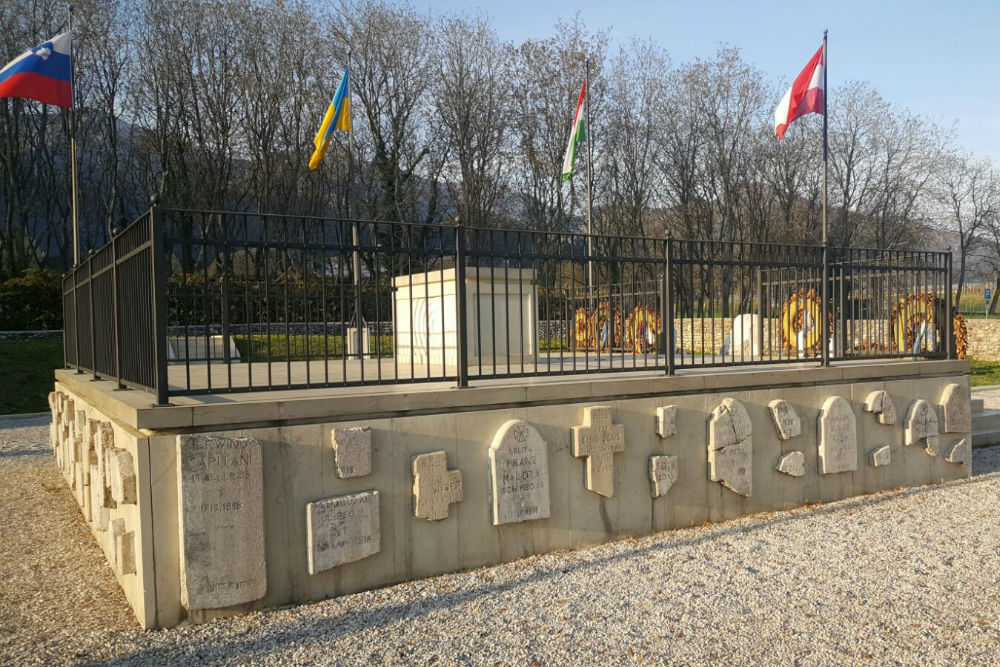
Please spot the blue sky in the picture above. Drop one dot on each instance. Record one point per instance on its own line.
(940, 59)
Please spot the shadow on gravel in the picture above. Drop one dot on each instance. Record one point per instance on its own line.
(203, 644)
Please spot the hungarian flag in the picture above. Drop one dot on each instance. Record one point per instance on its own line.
(807, 95)
(578, 134)
(43, 73)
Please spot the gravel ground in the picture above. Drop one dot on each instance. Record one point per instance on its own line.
(907, 577)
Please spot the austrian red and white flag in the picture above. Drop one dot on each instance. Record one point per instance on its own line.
(805, 96)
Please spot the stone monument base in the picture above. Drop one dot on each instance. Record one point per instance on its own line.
(208, 508)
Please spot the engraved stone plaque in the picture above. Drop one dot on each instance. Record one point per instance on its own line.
(662, 474)
(435, 487)
(352, 449)
(792, 463)
(221, 517)
(880, 403)
(730, 447)
(922, 426)
(519, 474)
(880, 456)
(838, 437)
(666, 421)
(960, 452)
(122, 473)
(342, 529)
(786, 420)
(598, 439)
(957, 408)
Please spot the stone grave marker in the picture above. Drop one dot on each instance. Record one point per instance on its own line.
(519, 474)
(880, 456)
(922, 427)
(666, 421)
(342, 529)
(123, 547)
(598, 439)
(122, 473)
(786, 420)
(352, 448)
(221, 517)
(838, 437)
(880, 403)
(730, 447)
(662, 474)
(100, 513)
(792, 463)
(435, 487)
(956, 405)
(960, 452)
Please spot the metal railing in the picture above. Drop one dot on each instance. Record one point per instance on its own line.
(195, 302)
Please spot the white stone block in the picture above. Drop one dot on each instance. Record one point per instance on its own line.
(352, 450)
(666, 421)
(786, 419)
(122, 473)
(662, 474)
(519, 474)
(221, 521)
(599, 439)
(880, 456)
(435, 487)
(956, 404)
(730, 447)
(100, 515)
(838, 437)
(123, 547)
(792, 463)
(342, 529)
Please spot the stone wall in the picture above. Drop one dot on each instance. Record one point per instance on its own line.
(215, 508)
(984, 339)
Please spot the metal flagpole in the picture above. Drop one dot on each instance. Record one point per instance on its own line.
(590, 180)
(72, 141)
(355, 235)
(826, 238)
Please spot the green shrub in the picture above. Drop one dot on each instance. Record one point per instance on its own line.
(32, 301)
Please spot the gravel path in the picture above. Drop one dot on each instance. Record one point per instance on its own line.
(908, 577)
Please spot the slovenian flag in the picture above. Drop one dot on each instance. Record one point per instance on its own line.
(578, 134)
(338, 116)
(805, 96)
(43, 73)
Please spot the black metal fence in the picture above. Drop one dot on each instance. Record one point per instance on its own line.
(193, 302)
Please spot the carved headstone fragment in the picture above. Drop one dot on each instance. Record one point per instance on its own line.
(352, 448)
(792, 463)
(730, 447)
(666, 421)
(880, 403)
(922, 427)
(956, 404)
(838, 437)
(342, 529)
(880, 456)
(435, 487)
(519, 474)
(662, 474)
(786, 420)
(960, 452)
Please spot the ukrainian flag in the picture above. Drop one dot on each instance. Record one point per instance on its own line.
(338, 117)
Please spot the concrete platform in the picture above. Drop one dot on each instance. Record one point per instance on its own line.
(400, 481)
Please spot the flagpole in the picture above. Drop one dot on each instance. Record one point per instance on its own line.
(72, 142)
(355, 236)
(826, 238)
(590, 180)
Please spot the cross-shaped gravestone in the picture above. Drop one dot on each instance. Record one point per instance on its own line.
(599, 439)
(434, 486)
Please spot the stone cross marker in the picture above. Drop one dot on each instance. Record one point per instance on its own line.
(922, 426)
(786, 420)
(880, 403)
(434, 486)
(352, 449)
(519, 474)
(342, 529)
(957, 408)
(599, 439)
(221, 521)
(730, 447)
(662, 474)
(838, 437)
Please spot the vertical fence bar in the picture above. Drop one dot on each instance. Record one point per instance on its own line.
(825, 312)
(93, 327)
(115, 314)
(668, 307)
(948, 316)
(158, 289)
(460, 311)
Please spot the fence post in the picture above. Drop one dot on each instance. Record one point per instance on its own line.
(93, 332)
(76, 315)
(948, 315)
(461, 315)
(825, 300)
(115, 314)
(158, 285)
(668, 306)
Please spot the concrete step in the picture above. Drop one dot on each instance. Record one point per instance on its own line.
(977, 405)
(986, 420)
(986, 438)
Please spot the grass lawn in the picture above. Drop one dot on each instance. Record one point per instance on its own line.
(28, 366)
(985, 372)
